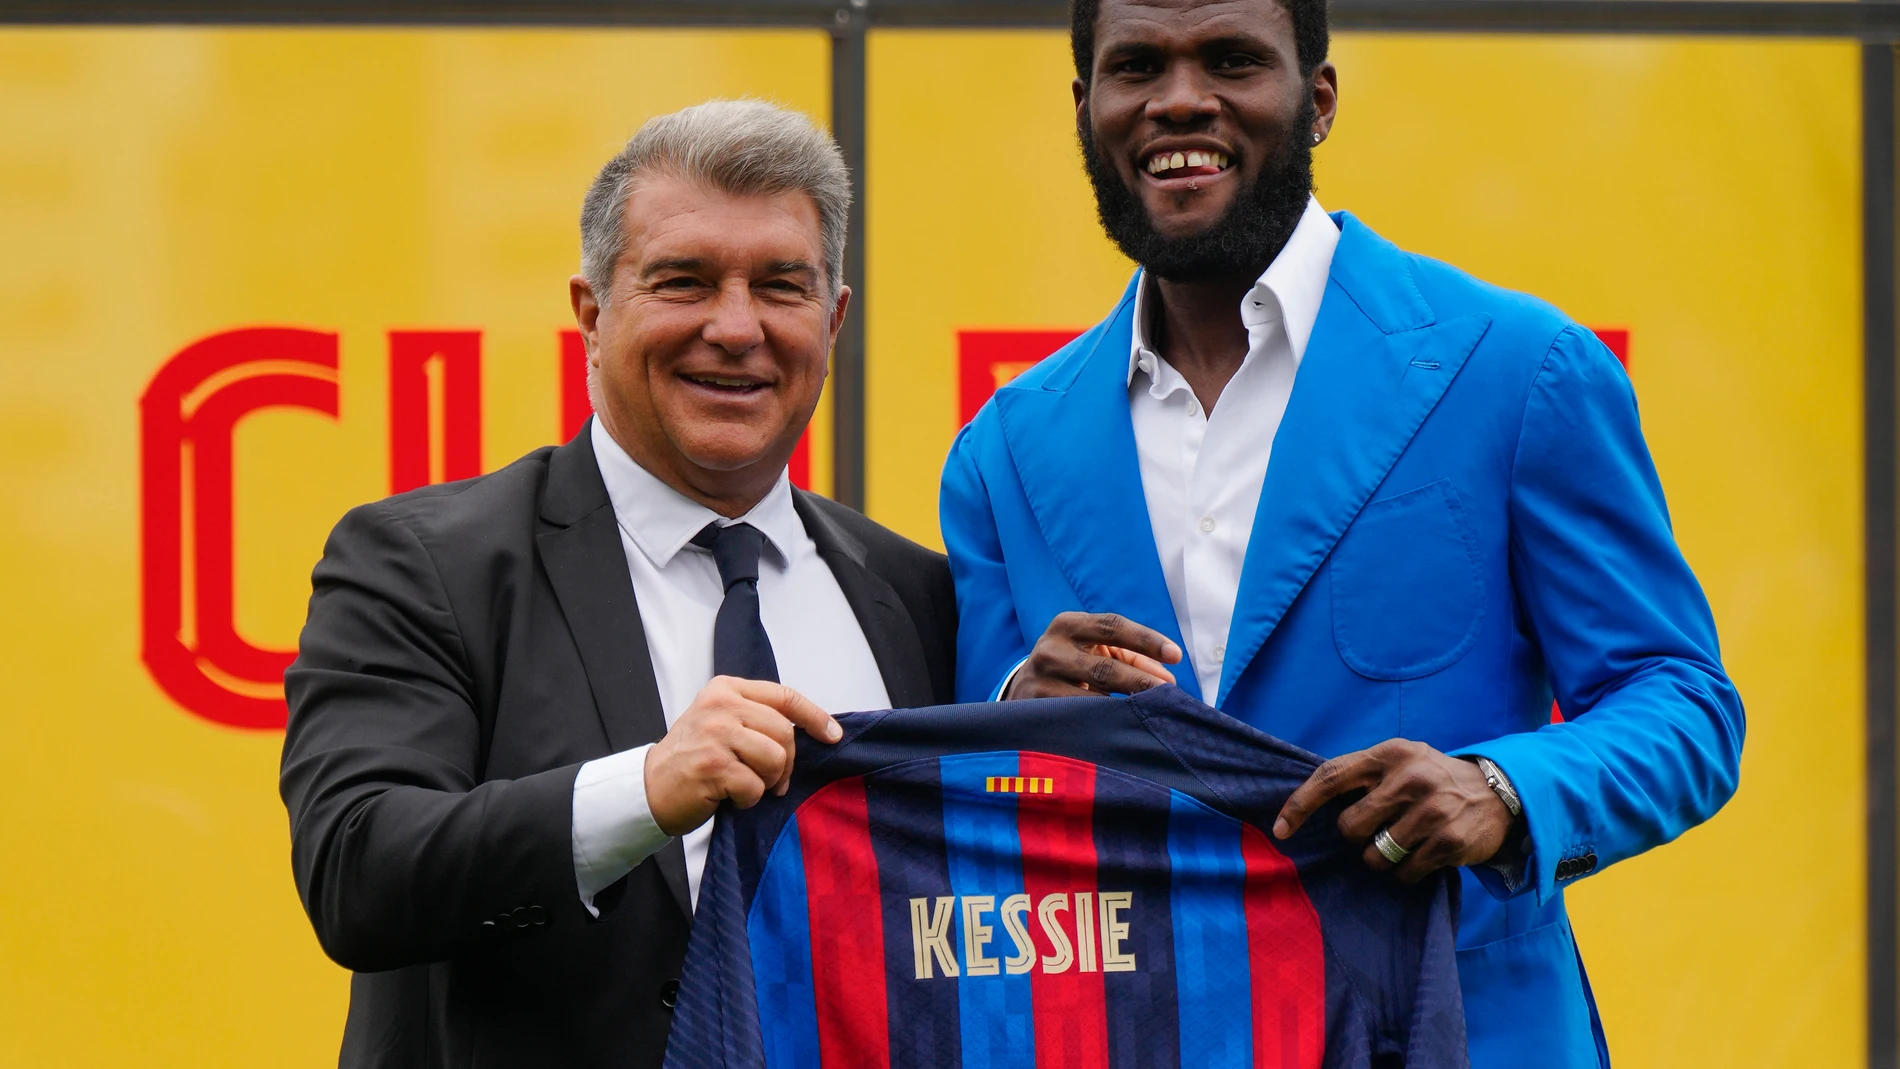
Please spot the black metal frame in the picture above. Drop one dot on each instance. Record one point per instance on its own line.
(1881, 548)
(848, 125)
(1868, 20)
(1875, 23)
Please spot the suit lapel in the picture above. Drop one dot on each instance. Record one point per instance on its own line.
(887, 625)
(580, 547)
(1074, 448)
(1376, 366)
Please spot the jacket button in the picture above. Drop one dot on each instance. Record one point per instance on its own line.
(537, 916)
(1572, 867)
(670, 993)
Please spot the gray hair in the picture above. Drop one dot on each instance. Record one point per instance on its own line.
(738, 147)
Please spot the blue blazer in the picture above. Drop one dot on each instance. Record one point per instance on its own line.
(1460, 521)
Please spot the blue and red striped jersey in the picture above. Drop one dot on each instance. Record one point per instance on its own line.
(1056, 884)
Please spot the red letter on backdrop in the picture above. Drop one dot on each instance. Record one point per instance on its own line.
(575, 405)
(988, 359)
(457, 357)
(186, 420)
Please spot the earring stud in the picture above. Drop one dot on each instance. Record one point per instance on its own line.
(1316, 137)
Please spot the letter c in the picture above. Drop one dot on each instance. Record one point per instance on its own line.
(186, 419)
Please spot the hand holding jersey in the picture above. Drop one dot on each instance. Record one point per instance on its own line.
(736, 741)
(1437, 809)
(1099, 653)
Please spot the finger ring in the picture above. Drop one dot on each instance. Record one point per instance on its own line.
(1389, 847)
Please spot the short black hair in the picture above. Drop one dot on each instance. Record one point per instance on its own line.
(1311, 36)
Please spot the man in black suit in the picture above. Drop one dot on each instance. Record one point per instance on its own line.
(519, 699)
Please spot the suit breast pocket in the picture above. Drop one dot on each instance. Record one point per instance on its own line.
(1408, 585)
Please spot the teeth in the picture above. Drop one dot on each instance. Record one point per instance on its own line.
(1166, 161)
(716, 381)
(1175, 160)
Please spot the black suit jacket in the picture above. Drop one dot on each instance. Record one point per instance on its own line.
(469, 646)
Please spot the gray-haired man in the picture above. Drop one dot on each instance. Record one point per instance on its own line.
(519, 698)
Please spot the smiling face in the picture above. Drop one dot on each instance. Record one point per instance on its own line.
(1197, 127)
(710, 352)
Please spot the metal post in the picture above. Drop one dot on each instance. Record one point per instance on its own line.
(847, 373)
(1882, 549)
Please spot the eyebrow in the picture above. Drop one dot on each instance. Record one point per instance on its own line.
(1236, 42)
(1228, 41)
(694, 263)
(675, 263)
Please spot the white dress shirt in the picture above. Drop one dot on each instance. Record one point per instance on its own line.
(1202, 475)
(820, 648)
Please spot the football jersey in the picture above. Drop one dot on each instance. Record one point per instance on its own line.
(1074, 882)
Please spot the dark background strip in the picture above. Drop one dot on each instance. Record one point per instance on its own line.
(1869, 19)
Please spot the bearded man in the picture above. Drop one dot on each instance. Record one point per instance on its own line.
(1390, 513)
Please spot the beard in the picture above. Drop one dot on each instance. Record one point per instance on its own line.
(1242, 242)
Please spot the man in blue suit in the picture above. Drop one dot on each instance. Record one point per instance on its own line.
(1359, 500)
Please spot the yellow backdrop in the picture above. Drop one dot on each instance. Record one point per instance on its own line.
(161, 186)
(1702, 195)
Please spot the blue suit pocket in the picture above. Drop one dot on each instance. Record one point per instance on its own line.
(1408, 585)
(1525, 1002)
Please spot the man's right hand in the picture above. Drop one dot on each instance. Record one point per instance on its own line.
(1094, 653)
(735, 741)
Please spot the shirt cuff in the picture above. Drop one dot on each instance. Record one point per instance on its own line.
(1003, 687)
(614, 828)
(1512, 863)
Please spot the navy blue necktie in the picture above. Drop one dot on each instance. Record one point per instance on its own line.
(740, 645)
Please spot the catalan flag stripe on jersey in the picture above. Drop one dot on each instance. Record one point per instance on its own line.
(919, 901)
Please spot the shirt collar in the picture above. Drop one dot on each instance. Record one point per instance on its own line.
(661, 520)
(1288, 292)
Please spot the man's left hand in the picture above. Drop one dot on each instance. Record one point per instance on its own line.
(1438, 808)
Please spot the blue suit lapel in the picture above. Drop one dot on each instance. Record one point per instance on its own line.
(1375, 367)
(1069, 433)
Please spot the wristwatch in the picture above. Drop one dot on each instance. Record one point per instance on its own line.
(1500, 785)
